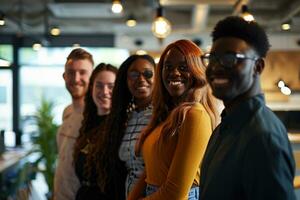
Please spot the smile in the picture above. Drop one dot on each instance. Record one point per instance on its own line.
(220, 81)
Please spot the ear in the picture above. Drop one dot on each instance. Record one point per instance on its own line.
(259, 66)
(64, 76)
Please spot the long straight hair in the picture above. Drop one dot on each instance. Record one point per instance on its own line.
(200, 92)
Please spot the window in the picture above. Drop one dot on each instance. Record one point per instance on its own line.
(5, 99)
(41, 77)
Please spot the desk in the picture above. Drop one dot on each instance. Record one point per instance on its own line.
(12, 157)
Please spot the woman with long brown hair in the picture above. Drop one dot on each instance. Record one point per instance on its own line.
(184, 115)
(97, 107)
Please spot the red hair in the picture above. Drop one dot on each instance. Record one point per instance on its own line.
(199, 92)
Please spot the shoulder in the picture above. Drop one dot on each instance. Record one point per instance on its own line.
(67, 112)
(197, 111)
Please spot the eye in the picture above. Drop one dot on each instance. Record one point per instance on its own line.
(148, 74)
(183, 68)
(167, 67)
(110, 86)
(228, 59)
(133, 75)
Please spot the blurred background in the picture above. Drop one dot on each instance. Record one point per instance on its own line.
(37, 35)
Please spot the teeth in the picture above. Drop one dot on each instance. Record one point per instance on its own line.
(175, 82)
(220, 80)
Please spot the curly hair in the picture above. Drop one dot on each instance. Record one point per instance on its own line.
(200, 92)
(116, 125)
(251, 32)
(92, 123)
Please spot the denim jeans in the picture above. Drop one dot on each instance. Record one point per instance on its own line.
(193, 193)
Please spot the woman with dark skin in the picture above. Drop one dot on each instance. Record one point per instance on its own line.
(131, 112)
(184, 115)
(97, 107)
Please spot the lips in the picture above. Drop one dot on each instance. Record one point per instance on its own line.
(176, 82)
(218, 81)
(142, 88)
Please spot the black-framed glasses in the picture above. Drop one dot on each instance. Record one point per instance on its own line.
(181, 68)
(133, 75)
(227, 59)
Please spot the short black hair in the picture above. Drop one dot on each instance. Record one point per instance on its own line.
(251, 32)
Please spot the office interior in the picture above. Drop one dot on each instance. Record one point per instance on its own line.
(37, 35)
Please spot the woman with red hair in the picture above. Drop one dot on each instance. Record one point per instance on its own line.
(184, 115)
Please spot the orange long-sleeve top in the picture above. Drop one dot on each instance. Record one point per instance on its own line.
(173, 163)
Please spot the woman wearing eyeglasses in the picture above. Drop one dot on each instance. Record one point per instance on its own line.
(184, 115)
(130, 113)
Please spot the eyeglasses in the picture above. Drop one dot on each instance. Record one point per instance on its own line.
(227, 60)
(180, 68)
(134, 75)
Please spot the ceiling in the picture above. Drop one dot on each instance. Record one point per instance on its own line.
(189, 18)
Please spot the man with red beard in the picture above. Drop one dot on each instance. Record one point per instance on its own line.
(78, 69)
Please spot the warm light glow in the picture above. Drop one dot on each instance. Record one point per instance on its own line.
(55, 31)
(248, 17)
(286, 26)
(280, 84)
(141, 52)
(36, 46)
(286, 90)
(131, 22)
(116, 7)
(2, 21)
(161, 27)
(76, 45)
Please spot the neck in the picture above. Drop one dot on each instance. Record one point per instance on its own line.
(254, 90)
(78, 104)
(142, 104)
(102, 112)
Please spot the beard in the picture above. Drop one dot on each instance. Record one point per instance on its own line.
(77, 91)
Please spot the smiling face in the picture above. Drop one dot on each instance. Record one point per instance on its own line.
(102, 91)
(229, 83)
(139, 81)
(175, 74)
(76, 76)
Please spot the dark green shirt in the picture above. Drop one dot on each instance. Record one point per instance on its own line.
(249, 156)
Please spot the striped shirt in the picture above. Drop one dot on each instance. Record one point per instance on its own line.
(134, 164)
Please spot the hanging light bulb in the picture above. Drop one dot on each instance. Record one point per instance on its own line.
(131, 21)
(246, 15)
(286, 26)
(286, 90)
(280, 83)
(161, 27)
(55, 31)
(2, 20)
(116, 7)
(37, 46)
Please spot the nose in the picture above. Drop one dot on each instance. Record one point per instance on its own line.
(175, 71)
(106, 90)
(141, 77)
(77, 77)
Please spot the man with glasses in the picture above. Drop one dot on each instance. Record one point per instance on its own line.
(249, 155)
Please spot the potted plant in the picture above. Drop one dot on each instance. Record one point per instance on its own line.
(45, 142)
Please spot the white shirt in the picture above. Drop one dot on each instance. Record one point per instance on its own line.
(66, 182)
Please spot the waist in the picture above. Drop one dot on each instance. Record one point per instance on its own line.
(193, 194)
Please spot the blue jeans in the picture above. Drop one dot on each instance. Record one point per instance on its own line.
(193, 193)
